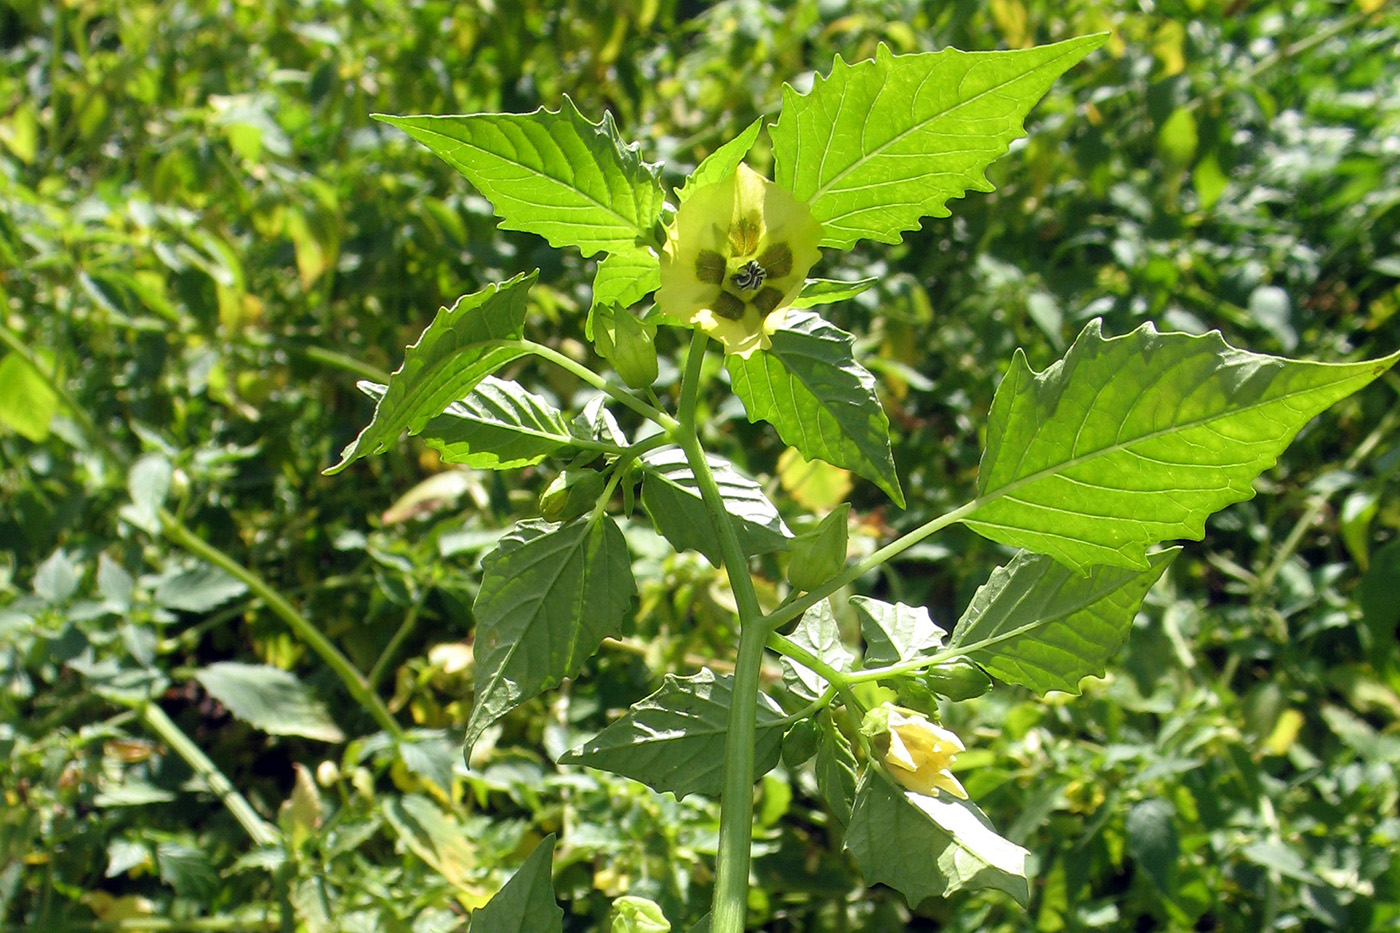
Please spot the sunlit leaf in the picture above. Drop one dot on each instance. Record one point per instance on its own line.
(672, 499)
(877, 145)
(269, 699)
(1134, 440)
(553, 173)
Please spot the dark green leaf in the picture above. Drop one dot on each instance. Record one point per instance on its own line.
(526, 903)
(809, 386)
(549, 595)
(930, 846)
(879, 144)
(1152, 840)
(455, 352)
(674, 739)
(270, 699)
(553, 173)
(1134, 440)
(836, 769)
(1037, 623)
(673, 501)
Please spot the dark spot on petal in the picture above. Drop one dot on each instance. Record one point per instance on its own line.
(709, 267)
(777, 260)
(767, 299)
(727, 306)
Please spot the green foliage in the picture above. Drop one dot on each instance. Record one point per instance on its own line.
(526, 903)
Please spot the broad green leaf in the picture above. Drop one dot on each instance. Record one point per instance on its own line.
(673, 501)
(1152, 840)
(199, 589)
(829, 291)
(930, 846)
(436, 836)
(458, 349)
(553, 173)
(894, 632)
(27, 401)
(624, 278)
(148, 482)
(498, 426)
(879, 144)
(526, 903)
(719, 164)
(674, 739)
(809, 386)
(1037, 623)
(549, 595)
(818, 632)
(1133, 440)
(269, 699)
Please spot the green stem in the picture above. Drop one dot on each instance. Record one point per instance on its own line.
(584, 374)
(736, 797)
(355, 682)
(792, 610)
(261, 832)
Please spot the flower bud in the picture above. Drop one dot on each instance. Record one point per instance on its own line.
(819, 555)
(625, 342)
(958, 679)
(633, 914)
(916, 752)
(572, 493)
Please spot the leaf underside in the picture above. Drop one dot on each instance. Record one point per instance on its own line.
(930, 846)
(525, 904)
(498, 426)
(810, 388)
(1037, 623)
(549, 596)
(877, 145)
(1134, 440)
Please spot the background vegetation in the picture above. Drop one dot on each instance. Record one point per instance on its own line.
(204, 242)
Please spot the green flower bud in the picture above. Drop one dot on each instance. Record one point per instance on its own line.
(572, 493)
(638, 915)
(625, 342)
(800, 742)
(958, 679)
(819, 555)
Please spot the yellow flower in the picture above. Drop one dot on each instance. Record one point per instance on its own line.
(735, 258)
(920, 754)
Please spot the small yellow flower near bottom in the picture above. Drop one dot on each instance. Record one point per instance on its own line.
(920, 754)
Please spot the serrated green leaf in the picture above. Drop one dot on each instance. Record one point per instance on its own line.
(1037, 623)
(809, 386)
(1134, 440)
(498, 426)
(269, 699)
(877, 145)
(549, 596)
(456, 351)
(525, 904)
(553, 173)
(436, 836)
(829, 291)
(894, 632)
(199, 589)
(719, 164)
(930, 846)
(624, 278)
(674, 739)
(818, 632)
(672, 499)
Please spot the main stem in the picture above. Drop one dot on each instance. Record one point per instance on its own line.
(736, 798)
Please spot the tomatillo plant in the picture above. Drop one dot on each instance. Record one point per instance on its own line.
(1089, 467)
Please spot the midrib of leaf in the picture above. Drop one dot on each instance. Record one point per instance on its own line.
(556, 183)
(1037, 623)
(916, 127)
(1051, 470)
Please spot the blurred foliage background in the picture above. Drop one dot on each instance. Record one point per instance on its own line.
(205, 240)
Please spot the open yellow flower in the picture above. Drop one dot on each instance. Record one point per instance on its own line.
(920, 754)
(735, 257)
